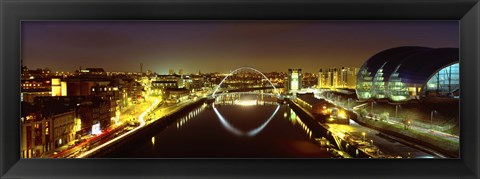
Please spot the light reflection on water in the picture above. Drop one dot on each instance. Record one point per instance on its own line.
(232, 131)
(238, 132)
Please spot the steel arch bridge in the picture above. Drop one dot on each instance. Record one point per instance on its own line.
(241, 68)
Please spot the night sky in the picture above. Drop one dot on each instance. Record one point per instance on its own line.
(221, 46)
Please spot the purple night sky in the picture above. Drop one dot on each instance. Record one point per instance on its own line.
(221, 46)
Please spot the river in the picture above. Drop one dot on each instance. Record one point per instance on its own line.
(242, 126)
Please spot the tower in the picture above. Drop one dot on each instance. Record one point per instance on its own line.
(320, 82)
(294, 81)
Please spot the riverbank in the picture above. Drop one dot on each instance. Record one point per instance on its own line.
(430, 141)
(350, 144)
(442, 145)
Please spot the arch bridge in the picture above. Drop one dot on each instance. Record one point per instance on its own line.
(218, 93)
(275, 91)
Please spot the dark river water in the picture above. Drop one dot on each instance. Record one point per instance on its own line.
(239, 128)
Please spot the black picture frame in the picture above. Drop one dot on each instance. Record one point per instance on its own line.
(12, 12)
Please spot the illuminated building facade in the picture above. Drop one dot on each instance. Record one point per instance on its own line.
(33, 87)
(59, 87)
(405, 73)
(344, 77)
(194, 82)
(37, 73)
(90, 110)
(63, 124)
(45, 127)
(168, 81)
(294, 80)
(42, 86)
(172, 87)
(35, 136)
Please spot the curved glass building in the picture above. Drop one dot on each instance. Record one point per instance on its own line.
(405, 73)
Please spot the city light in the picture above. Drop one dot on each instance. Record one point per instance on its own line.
(92, 151)
(342, 114)
(338, 97)
(245, 102)
(96, 129)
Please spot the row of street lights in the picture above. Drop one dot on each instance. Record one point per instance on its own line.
(396, 114)
(396, 110)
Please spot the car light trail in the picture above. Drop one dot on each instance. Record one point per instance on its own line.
(142, 123)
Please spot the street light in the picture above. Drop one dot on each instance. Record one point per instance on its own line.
(431, 119)
(371, 111)
(396, 110)
(363, 134)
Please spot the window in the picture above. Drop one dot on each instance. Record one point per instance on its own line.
(397, 90)
(364, 84)
(445, 82)
(38, 134)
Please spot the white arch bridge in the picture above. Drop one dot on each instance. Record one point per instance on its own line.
(216, 93)
(275, 91)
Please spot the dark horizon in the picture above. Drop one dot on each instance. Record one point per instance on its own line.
(221, 46)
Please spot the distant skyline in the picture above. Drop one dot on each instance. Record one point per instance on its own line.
(221, 46)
